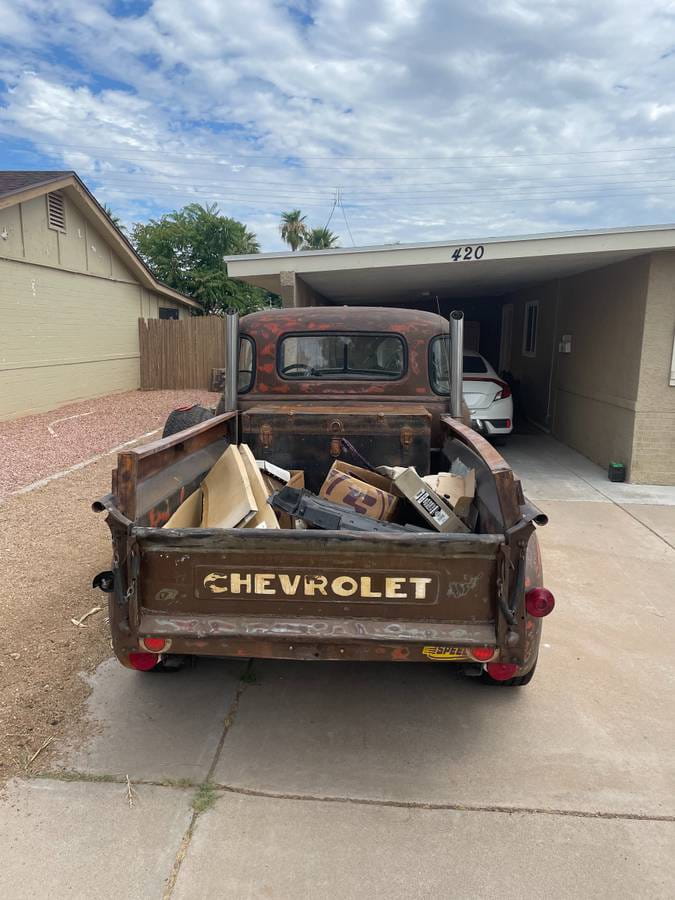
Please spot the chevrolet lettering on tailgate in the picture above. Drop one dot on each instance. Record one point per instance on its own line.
(237, 584)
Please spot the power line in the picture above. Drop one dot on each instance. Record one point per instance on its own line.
(299, 154)
(290, 194)
(252, 161)
(496, 192)
(285, 196)
(408, 204)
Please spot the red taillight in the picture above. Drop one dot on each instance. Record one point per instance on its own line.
(154, 644)
(142, 661)
(503, 392)
(482, 654)
(501, 671)
(539, 602)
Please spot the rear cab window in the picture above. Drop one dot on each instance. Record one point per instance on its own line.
(439, 364)
(474, 365)
(342, 356)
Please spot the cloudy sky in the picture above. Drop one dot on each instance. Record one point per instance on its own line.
(434, 119)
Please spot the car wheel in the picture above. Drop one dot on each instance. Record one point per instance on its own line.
(518, 681)
(185, 417)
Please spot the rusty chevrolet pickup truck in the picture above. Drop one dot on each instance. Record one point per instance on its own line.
(386, 384)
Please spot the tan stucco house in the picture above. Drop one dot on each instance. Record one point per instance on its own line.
(583, 321)
(71, 292)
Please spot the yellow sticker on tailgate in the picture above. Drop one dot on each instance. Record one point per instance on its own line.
(444, 652)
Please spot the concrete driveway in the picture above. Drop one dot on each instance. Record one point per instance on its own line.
(304, 780)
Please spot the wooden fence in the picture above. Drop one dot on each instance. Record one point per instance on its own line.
(177, 354)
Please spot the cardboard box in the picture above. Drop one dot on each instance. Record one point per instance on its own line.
(457, 490)
(228, 500)
(390, 471)
(265, 517)
(428, 504)
(364, 491)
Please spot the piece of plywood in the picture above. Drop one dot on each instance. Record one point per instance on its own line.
(265, 517)
(228, 498)
(189, 513)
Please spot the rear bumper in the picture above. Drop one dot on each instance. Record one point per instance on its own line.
(489, 427)
(269, 637)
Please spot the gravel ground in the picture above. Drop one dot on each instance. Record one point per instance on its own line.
(51, 545)
(30, 450)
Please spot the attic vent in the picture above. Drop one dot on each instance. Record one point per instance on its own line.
(56, 212)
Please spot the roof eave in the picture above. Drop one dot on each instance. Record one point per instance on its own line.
(122, 244)
(431, 245)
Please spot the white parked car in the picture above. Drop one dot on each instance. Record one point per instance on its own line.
(487, 396)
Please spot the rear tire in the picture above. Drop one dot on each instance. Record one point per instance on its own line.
(171, 663)
(180, 419)
(518, 681)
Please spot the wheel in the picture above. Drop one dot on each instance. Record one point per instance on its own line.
(518, 681)
(183, 418)
(174, 662)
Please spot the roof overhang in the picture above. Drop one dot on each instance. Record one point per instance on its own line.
(402, 273)
(89, 206)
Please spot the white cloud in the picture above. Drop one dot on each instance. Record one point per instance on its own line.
(430, 117)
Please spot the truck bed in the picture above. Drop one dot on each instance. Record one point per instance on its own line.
(312, 594)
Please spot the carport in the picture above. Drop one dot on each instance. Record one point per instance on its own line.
(584, 323)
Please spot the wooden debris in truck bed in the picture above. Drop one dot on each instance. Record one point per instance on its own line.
(228, 500)
(189, 513)
(264, 517)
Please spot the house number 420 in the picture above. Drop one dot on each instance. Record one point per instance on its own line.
(460, 254)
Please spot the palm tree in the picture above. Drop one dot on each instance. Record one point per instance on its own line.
(113, 218)
(293, 229)
(320, 239)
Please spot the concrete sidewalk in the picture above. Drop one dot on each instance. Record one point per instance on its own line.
(307, 780)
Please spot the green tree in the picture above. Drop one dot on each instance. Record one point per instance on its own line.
(185, 250)
(320, 239)
(293, 229)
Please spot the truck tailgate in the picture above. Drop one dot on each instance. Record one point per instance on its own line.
(316, 587)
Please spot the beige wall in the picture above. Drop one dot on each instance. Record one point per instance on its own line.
(294, 291)
(610, 397)
(654, 434)
(597, 383)
(80, 249)
(69, 310)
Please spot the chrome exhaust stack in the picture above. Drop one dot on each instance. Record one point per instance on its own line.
(228, 399)
(456, 362)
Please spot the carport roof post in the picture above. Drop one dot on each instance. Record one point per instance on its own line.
(399, 273)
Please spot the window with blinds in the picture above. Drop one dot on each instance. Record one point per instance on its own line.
(56, 212)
